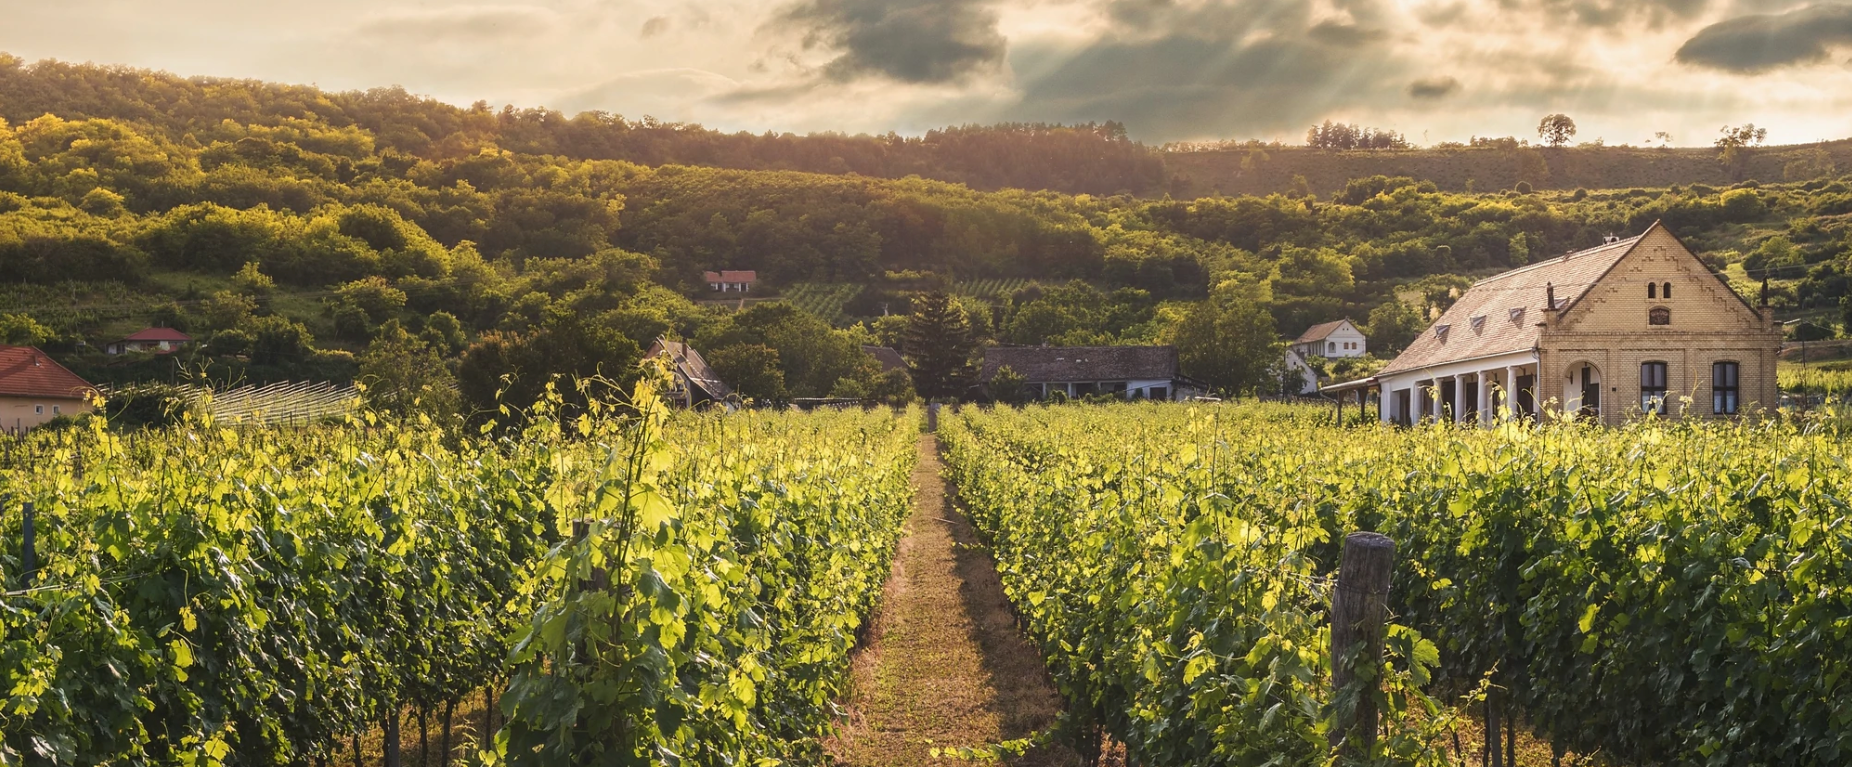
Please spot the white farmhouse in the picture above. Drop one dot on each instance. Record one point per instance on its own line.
(1298, 373)
(1331, 340)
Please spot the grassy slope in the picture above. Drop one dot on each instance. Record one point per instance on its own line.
(1195, 174)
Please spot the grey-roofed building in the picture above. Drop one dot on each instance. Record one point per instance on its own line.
(1612, 332)
(695, 382)
(890, 360)
(1134, 372)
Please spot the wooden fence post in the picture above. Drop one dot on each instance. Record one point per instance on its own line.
(1359, 608)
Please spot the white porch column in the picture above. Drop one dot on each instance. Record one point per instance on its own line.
(1511, 391)
(1459, 398)
(1485, 398)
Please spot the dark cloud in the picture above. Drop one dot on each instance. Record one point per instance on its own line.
(915, 41)
(1750, 44)
(656, 25)
(1196, 68)
(1433, 88)
(1592, 13)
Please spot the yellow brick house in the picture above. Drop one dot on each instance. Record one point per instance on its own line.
(1612, 332)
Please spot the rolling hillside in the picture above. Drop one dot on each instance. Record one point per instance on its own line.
(1265, 170)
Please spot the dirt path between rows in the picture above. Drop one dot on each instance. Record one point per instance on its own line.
(944, 664)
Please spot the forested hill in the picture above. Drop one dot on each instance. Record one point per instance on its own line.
(303, 235)
(1493, 166)
(1091, 159)
(1098, 159)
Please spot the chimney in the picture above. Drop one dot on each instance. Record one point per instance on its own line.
(1765, 292)
(1549, 296)
(1610, 239)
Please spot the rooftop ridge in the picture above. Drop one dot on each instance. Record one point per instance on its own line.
(1559, 259)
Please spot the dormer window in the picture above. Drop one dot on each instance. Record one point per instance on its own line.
(1440, 331)
(1479, 323)
(1517, 315)
(1659, 315)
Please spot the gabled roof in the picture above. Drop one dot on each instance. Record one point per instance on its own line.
(27, 372)
(1055, 364)
(1509, 308)
(157, 334)
(691, 366)
(1321, 331)
(890, 360)
(746, 275)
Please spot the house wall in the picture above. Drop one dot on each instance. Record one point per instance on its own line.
(1342, 337)
(1609, 329)
(23, 413)
(1136, 389)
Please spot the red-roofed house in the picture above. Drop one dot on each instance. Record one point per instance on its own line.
(1334, 339)
(731, 281)
(157, 340)
(34, 389)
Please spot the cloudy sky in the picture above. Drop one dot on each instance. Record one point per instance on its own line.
(1435, 70)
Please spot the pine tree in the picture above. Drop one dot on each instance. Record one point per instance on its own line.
(938, 346)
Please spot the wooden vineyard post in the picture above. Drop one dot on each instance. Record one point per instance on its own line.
(1359, 608)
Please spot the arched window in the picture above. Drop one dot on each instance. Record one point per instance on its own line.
(1652, 290)
(1665, 291)
(1653, 387)
(1659, 315)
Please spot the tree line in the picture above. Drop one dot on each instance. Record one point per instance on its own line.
(298, 244)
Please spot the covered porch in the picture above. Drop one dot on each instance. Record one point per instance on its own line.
(1470, 391)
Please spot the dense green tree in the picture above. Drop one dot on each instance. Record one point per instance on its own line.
(515, 368)
(752, 370)
(1228, 342)
(1392, 326)
(812, 354)
(938, 346)
(405, 375)
(1556, 130)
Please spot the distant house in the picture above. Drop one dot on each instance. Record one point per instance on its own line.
(731, 281)
(890, 360)
(157, 340)
(695, 382)
(1338, 338)
(35, 389)
(1133, 372)
(1297, 371)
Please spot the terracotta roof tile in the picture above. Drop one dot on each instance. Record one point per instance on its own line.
(1320, 331)
(1511, 305)
(27, 372)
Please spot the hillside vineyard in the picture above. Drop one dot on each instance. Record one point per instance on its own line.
(1660, 593)
(630, 582)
